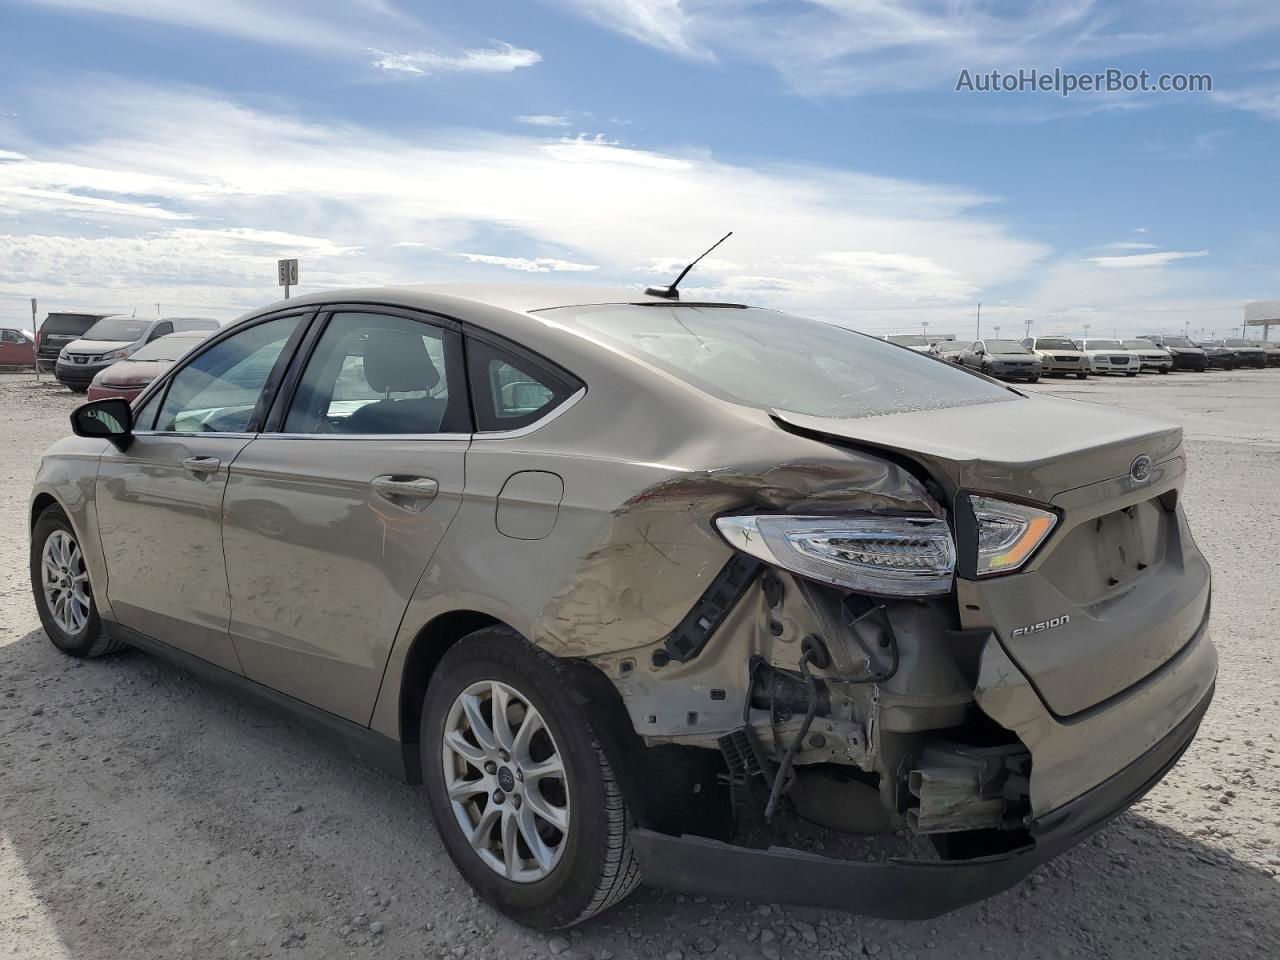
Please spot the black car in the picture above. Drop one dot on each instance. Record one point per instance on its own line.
(1186, 355)
(1249, 353)
(57, 331)
(1272, 351)
(1220, 357)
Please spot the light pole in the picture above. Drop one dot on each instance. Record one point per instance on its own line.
(924, 330)
(997, 331)
(977, 335)
(1028, 333)
(1086, 331)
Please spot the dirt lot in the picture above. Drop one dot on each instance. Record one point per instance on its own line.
(144, 813)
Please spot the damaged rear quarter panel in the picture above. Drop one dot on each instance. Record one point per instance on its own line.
(646, 469)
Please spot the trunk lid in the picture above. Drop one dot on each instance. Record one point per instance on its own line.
(1119, 574)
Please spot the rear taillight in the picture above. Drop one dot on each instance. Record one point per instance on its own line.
(894, 556)
(1008, 533)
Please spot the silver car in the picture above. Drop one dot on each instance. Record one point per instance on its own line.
(630, 584)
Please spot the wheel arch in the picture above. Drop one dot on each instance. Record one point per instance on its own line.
(39, 504)
(428, 646)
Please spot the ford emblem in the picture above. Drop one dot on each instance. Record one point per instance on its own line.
(1140, 469)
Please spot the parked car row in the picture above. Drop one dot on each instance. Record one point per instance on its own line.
(83, 350)
(1034, 357)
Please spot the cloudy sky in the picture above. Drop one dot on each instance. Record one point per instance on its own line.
(171, 153)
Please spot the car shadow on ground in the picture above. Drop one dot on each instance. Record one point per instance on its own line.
(154, 813)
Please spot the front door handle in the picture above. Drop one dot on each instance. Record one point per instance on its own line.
(201, 466)
(420, 490)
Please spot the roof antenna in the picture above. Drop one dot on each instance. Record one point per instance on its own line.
(671, 293)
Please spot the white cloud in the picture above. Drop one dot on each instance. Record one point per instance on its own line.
(1132, 245)
(363, 206)
(659, 23)
(1262, 100)
(502, 58)
(858, 46)
(543, 120)
(1146, 260)
(323, 24)
(527, 265)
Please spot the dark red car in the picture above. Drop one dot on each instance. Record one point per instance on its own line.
(130, 377)
(17, 348)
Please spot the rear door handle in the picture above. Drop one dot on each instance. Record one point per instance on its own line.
(201, 465)
(420, 490)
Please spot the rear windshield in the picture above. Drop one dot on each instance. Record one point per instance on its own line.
(68, 323)
(1103, 345)
(124, 329)
(1052, 343)
(168, 348)
(770, 360)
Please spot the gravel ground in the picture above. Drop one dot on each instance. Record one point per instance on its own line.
(144, 813)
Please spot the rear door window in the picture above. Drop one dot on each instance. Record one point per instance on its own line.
(376, 374)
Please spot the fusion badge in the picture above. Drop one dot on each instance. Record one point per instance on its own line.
(1041, 627)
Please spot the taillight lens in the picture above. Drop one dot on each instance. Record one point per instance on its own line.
(1008, 533)
(894, 556)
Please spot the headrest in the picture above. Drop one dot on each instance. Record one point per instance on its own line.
(397, 361)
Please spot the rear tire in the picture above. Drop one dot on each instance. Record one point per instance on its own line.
(1082, 376)
(583, 865)
(1131, 373)
(63, 594)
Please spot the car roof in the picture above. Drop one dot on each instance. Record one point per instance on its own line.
(517, 297)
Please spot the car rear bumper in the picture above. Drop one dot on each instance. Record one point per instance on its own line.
(903, 889)
(1192, 362)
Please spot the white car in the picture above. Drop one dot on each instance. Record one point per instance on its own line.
(1109, 356)
(1150, 356)
(912, 341)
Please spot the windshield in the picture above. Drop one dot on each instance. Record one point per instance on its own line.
(770, 360)
(1005, 346)
(1102, 345)
(1177, 342)
(1237, 342)
(167, 348)
(951, 346)
(909, 340)
(1054, 343)
(1139, 345)
(126, 329)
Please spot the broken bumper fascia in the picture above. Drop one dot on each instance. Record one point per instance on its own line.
(901, 889)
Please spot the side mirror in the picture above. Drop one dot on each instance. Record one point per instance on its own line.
(110, 419)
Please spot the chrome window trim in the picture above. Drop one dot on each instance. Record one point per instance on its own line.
(189, 433)
(362, 436)
(555, 412)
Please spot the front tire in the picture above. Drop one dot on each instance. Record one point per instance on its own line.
(63, 593)
(1082, 376)
(524, 797)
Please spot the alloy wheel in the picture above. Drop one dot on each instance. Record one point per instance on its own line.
(506, 781)
(65, 582)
